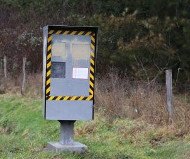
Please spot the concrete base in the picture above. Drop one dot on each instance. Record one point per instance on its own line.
(75, 147)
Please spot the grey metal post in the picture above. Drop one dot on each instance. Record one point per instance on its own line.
(169, 93)
(66, 132)
(67, 142)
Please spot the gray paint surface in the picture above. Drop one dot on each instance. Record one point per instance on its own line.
(67, 86)
(66, 132)
(69, 110)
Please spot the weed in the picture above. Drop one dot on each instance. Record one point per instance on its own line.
(122, 98)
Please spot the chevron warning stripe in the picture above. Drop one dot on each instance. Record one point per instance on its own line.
(48, 65)
(92, 57)
(69, 98)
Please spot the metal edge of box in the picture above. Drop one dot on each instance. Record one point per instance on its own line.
(45, 34)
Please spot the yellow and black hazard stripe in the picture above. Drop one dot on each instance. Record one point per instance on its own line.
(66, 32)
(70, 98)
(92, 65)
(48, 65)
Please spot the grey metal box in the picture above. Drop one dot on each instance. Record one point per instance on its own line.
(69, 57)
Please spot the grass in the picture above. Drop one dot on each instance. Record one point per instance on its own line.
(124, 98)
(24, 134)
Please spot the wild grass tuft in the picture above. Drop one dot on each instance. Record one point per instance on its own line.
(122, 98)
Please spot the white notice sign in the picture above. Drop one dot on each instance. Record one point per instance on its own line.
(80, 73)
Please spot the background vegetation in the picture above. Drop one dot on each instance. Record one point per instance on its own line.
(141, 38)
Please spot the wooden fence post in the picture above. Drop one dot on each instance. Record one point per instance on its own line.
(24, 75)
(169, 94)
(5, 73)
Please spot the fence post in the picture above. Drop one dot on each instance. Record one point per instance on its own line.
(5, 73)
(169, 94)
(24, 75)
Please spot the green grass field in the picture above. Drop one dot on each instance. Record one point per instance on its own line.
(24, 134)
